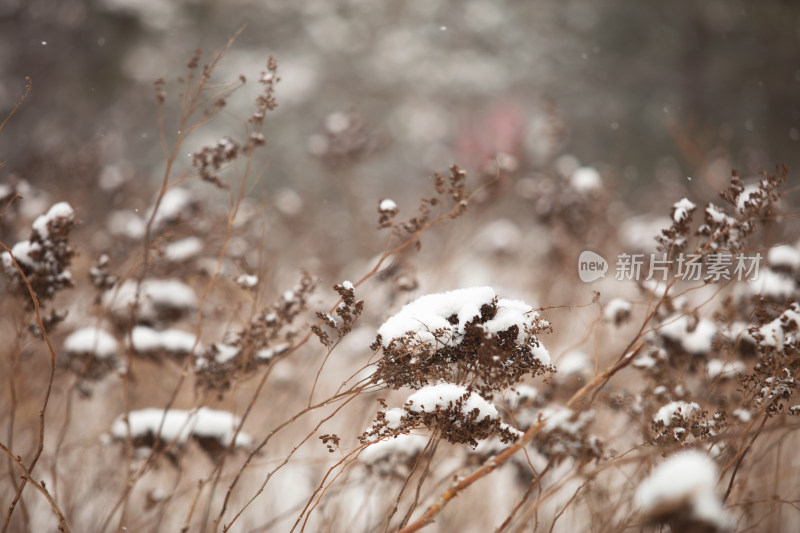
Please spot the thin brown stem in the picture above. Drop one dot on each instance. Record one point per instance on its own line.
(42, 412)
(39, 486)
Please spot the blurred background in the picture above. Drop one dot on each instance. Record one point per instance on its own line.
(662, 99)
(601, 114)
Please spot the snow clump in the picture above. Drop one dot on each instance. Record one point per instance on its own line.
(450, 311)
(157, 298)
(682, 210)
(179, 425)
(173, 341)
(683, 485)
(93, 341)
(464, 336)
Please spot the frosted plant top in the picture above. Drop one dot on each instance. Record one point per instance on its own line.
(450, 312)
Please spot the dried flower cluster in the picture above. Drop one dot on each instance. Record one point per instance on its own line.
(772, 384)
(269, 334)
(265, 101)
(450, 190)
(456, 349)
(453, 412)
(480, 341)
(347, 312)
(45, 257)
(211, 159)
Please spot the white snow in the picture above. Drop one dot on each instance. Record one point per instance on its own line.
(126, 223)
(40, 245)
(719, 216)
(782, 329)
(175, 204)
(183, 249)
(541, 353)
(155, 294)
(179, 425)
(91, 340)
(658, 288)
(404, 444)
(681, 408)
(773, 284)
(491, 446)
(743, 415)
(747, 195)
(393, 417)
(145, 339)
(737, 331)
(616, 307)
(268, 353)
(60, 211)
(387, 205)
(649, 359)
(784, 255)
(724, 369)
(676, 328)
(348, 285)
(700, 340)
(429, 313)
(443, 395)
(247, 281)
(225, 352)
(585, 180)
(422, 317)
(521, 394)
(22, 253)
(686, 479)
(227, 146)
(573, 364)
(113, 176)
(682, 209)
(509, 313)
(511, 429)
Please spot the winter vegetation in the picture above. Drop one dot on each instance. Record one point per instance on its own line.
(191, 356)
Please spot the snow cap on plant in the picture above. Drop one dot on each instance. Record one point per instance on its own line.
(464, 336)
